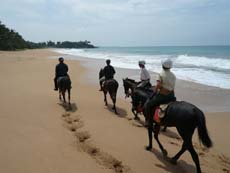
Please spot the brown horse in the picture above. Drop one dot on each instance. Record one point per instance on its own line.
(64, 84)
(110, 86)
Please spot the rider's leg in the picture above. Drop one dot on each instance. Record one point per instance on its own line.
(101, 81)
(55, 84)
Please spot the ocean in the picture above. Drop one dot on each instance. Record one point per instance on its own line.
(209, 65)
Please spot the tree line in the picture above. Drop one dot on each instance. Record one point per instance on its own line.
(12, 40)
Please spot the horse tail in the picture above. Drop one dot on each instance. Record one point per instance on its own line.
(202, 129)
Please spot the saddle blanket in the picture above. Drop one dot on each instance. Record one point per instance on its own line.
(160, 112)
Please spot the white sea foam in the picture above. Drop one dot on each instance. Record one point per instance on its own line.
(200, 69)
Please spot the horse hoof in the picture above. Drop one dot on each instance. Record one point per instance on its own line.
(173, 161)
(148, 148)
(165, 153)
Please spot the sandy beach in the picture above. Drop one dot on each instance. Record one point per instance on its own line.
(40, 134)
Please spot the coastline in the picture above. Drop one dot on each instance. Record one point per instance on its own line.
(37, 130)
(208, 98)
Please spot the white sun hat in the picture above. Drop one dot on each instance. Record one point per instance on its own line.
(167, 63)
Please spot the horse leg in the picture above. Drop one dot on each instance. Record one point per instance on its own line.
(194, 156)
(150, 131)
(59, 94)
(156, 132)
(174, 159)
(187, 137)
(105, 98)
(69, 95)
(113, 97)
(164, 129)
(63, 95)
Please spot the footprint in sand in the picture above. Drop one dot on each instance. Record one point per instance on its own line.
(66, 115)
(73, 123)
(104, 158)
(82, 136)
(74, 126)
(174, 143)
(225, 162)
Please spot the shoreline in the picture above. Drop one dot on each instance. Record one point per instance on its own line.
(204, 96)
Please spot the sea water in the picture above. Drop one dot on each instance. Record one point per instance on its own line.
(209, 65)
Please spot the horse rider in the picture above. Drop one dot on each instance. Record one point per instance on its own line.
(164, 89)
(109, 72)
(60, 70)
(144, 75)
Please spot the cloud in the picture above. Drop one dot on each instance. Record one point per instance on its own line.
(117, 20)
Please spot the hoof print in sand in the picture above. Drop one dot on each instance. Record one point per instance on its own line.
(82, 136)
(90, 149)
(73, 123)
(65, 115)
(112, 163)
(225, 162)
(174, 143)
(74, 127)
(68, 120)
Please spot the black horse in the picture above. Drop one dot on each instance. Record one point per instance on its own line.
(139, 95)
(110, 86)
(64, 84)
(185, 117)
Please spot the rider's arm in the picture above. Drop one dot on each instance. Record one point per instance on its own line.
(158, 83)
(158, 86)
(67, 68)
(56, 70)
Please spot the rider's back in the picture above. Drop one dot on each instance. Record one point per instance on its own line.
(61, 69)
(109, 72)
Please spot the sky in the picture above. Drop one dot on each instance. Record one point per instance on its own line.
(121, 22)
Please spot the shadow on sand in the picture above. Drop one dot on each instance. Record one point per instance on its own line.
(69, 108)
(122, 113)
(180, 167)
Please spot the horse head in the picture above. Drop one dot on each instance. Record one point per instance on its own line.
(129, 86)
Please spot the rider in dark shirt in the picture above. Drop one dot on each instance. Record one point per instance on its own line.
(108, 72)
(60, 70)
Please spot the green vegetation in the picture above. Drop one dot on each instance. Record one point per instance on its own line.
(11, 40)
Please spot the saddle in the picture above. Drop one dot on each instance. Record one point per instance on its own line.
(160, 112)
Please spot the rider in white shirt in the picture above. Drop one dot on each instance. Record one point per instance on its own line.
(144, 75)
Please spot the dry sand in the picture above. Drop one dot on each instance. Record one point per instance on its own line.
(40, 134)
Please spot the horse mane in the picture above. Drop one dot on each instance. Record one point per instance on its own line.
(131, 80)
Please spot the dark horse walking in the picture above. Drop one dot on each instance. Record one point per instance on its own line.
(139, 95)
(110, 86)
(64, 84)
(185, 117)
